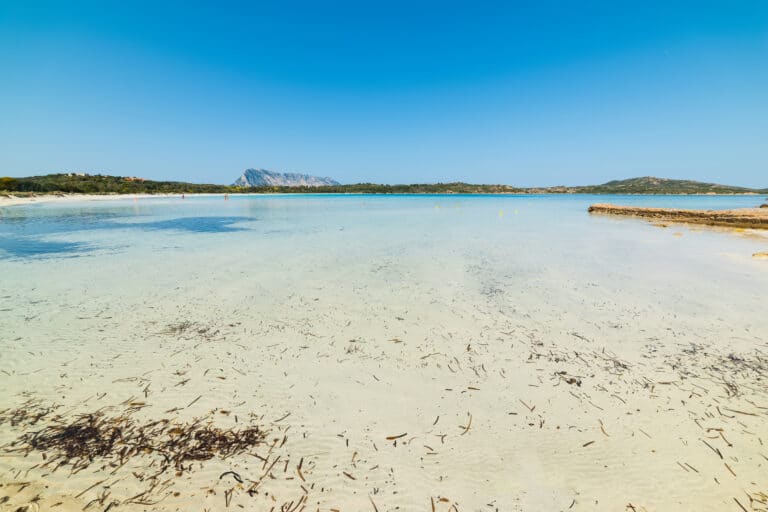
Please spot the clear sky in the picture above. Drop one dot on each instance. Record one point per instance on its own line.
(535, 93)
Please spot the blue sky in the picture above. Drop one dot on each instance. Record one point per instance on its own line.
(539, 93)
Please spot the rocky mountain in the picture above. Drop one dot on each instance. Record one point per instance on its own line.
(265, 178)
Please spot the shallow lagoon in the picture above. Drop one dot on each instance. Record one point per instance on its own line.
(40, 229)
(365, 317)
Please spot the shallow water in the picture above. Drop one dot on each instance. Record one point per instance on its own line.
(448, 318)
(68, 228)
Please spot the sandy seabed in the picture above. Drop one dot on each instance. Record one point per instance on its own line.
(410, 378)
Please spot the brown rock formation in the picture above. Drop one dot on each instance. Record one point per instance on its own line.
(753, 218)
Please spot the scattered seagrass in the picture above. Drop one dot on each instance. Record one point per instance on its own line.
(113, 440)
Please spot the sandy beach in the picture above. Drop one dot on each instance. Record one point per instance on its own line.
(12, 200)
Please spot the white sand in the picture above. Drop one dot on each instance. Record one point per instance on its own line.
(612, 383)
(11, 200)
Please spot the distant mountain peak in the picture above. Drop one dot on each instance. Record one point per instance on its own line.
(267, 178)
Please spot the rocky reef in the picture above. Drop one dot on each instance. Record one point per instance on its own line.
(748, 218)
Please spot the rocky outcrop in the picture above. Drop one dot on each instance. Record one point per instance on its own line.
(754, 218)
(265, 178)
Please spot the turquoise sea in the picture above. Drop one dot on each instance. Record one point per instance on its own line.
(536, 357)
(93, 228)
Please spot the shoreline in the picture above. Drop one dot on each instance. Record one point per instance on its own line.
(745, 218)
(9, 199)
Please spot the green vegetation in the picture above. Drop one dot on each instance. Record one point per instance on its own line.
(650, 185)
(374, 188)
(100, 184)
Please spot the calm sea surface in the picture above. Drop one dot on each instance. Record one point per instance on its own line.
(369, 316)
(100, 230)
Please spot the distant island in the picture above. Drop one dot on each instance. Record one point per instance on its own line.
(267, 182)
(266, 178)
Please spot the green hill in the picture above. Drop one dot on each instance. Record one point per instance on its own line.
(103, 184)
(651, 185)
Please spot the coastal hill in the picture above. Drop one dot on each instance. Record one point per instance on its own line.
(266, 178)
(651, 185)
(102, 184)
(82, 183)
